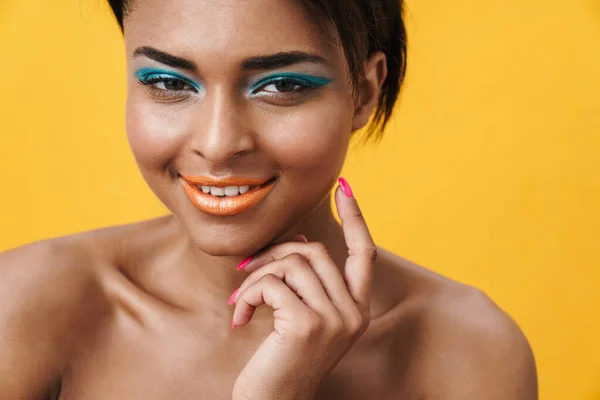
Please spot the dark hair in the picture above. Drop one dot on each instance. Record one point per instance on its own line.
(364, 27)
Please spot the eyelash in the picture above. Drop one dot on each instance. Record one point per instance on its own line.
(303, 86)
(150, 82)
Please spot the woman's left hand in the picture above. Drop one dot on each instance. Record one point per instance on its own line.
(318, 313)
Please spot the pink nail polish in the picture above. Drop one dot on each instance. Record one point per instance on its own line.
(232, 297)
(345, 187)
(302, 237)
(233, 326)
(244, 263)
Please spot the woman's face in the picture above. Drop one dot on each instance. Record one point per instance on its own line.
(248, 89)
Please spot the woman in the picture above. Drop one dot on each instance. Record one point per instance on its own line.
(239, 114)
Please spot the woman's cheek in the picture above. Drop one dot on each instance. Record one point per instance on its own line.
(314, 139)
(156, 134)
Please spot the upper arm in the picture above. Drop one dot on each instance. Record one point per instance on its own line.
(480, 353)
(36, 288)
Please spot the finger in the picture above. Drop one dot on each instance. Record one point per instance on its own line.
(322, 264)
(269, 290)
(246, 261)
(362, 252)
(298, 275)
(300, 238)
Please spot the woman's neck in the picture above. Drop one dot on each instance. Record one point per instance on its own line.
(184, 276)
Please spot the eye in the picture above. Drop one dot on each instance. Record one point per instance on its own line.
(171, 84)
(286, 85)
(282, 85)
(167, 83)
(287, 88)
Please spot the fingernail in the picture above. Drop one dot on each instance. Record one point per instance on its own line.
(233, 326)
(232, 297)
(345, 187)
(244, 263)
(302, 238)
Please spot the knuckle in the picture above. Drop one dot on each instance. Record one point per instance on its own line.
(371, 251)
(255, 276)
(318, 247)
(356, 212)
(269, 280)
(357, 322)
(355, 326)
(310, 326)
(336, 324)
(295, 258)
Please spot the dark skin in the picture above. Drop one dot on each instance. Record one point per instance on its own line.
(141, 312)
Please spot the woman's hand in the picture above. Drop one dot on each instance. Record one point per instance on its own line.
(318, 313)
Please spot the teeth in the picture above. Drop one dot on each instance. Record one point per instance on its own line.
(215, 191)
(231, 191)
(228, 191)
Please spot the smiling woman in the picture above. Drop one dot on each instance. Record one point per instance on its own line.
(239, 114)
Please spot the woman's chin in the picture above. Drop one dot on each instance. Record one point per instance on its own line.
(228, 245)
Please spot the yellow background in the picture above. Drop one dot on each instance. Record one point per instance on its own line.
(487, 174)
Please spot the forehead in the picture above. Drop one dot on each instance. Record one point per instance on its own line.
(226, 28)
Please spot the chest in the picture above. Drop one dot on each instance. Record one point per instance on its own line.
(195, 364)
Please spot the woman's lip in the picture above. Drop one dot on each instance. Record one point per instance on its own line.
(223, 182)
(226, 205)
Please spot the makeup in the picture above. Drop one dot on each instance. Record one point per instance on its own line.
(225, 196)
(302, 81)
(244, 263)
(345, 187)
(232, 297)
(148, 76)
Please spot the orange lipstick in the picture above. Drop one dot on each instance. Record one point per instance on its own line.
(217, 196)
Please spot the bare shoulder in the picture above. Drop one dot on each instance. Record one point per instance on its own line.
(462, 345)
(45, 290)
(52, 294)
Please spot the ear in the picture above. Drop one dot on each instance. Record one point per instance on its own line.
(369, 89)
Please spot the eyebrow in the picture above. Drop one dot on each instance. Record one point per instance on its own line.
(165, 58)
(280, 60)
(273, 61)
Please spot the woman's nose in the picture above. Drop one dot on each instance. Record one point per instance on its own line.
(221, 129)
